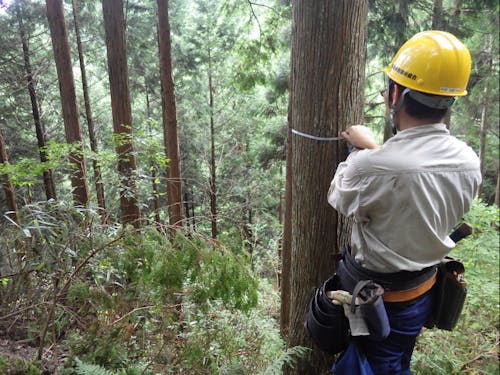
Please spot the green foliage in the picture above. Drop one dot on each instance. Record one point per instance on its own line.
(3, 365)
(472, 347)
(288, 359)
(83, 368)
(23, 366)
(87, 369)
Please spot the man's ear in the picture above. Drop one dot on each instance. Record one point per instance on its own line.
(396, 93)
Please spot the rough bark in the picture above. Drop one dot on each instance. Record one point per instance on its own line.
(174, 182)
(286, 250)
(99, 186)
(327, 68)
(71, 117)
(114, 25)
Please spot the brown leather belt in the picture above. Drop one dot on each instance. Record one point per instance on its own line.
(410, 294)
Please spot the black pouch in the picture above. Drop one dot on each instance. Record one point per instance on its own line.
(451, 290)
(326, 323)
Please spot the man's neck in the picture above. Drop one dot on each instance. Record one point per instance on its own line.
(407, 122)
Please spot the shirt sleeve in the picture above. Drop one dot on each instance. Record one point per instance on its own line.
(346, 187)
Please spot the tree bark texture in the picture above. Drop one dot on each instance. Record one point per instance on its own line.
(327, 80)
(48, 181)
(174, 182)
(10, 193)
(71, 117)
(114, 25)
(99, 186)
(286, 251)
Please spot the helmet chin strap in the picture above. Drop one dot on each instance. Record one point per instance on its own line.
(394, 110)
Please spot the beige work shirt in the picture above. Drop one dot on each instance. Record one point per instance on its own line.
(406, 197)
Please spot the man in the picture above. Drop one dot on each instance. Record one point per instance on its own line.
(406, 196)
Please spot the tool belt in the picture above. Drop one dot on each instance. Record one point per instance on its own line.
(406, 287)
(402, 286)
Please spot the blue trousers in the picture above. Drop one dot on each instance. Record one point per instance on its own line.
(392, 355)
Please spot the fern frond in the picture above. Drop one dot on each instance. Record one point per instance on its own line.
(288, 358)
(83, 368)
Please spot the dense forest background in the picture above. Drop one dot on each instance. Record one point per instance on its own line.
(148, 238)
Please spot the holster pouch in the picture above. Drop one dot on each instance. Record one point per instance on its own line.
(451, 290)
(367, 300)
(326, 322)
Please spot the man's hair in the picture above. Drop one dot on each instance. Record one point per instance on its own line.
(416, 109)
(421, 111)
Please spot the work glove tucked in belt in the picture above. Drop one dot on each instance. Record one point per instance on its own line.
(364, 308)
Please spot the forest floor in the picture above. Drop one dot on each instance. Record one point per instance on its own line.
(17, 357)
(14, 352)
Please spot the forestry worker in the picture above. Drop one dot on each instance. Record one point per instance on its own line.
(406, 196)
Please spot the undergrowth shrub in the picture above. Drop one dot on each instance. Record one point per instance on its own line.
(472, 347)
(120, 298)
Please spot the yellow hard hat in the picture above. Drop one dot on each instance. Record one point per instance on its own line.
(433, 62)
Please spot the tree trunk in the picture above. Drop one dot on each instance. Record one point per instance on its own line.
(174, 182)
(437, 15)
(153, 168)
(114, 25)
(99, 187)
(286, 246)
(483, 130)
(401, 11)
(213, 167)
(71, 117)
(328, 58)
(8, 188)
(48, 181)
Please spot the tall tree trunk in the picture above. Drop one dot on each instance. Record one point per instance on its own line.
(437, 15)
(213, 167)
(48, 181)
(114, 25)
(483, 131)
(99, 186)
(174, 182)
(8, 188)
(189, 209)
(327, 65)
(401, 12)
(60, 46)
(153, 168)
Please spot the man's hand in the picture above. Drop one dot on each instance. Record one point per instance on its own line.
(359, 136)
